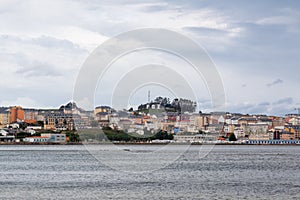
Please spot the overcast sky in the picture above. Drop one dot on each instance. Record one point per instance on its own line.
(255, 46)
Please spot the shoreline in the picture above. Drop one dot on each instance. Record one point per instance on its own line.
(137, 143)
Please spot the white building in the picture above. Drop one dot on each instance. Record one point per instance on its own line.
(47, 137)
(3, 132)
(34, 127)
(59, 137)
(36, 139)
(195, 138)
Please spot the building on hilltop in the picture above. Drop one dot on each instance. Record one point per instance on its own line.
(102, 115)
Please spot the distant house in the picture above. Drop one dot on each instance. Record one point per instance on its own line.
(3, 132)
(247, 120)
(102, 115)
(30, 115)
(8, 138)
(4, 116)
(32, 129)
(233, 120)
(14, 125)
(32, 132)
(102, 109)
(58, 121)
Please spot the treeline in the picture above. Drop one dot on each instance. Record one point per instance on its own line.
(114, 135)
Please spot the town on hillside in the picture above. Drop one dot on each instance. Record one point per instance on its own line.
(160, 120)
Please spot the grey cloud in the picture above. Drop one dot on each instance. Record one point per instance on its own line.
(260, 108)
(50, 42)
(280, 110)
(36, 68)
(154, 7)
(276, 82)
(250, 108)
(288, 100)
(264, 104)
(243, 108)
(280, 107)
(204, 30)
(43, 41)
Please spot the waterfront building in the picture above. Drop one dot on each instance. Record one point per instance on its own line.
(294, 130)
(7, 138)
(56, 138)
(47, 137)
(36, 139)
(257, 131)
(197, 138)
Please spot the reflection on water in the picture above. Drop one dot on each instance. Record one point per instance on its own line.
(227, 172)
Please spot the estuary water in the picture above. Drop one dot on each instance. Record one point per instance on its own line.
(74, 172)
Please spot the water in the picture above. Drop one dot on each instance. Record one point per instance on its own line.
(227, 172)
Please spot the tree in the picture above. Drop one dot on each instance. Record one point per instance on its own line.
(187, 105)
(158, 100)
(162, 135)
(22, 135)
(176, 105)
(73, 136)
(232, 137)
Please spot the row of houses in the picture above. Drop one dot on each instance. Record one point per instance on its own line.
(43, 138)
(47, 138)
(50, 119)
(70, 117)
(244, 127)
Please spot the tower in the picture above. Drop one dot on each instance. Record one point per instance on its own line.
(148, 96)
(16, 114)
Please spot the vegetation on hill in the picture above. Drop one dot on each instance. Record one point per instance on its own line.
(108, 134)
(177, 105)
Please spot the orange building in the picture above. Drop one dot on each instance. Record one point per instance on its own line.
(16, 114)
(294, 131)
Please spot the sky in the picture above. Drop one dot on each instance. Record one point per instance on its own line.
(255, 46)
